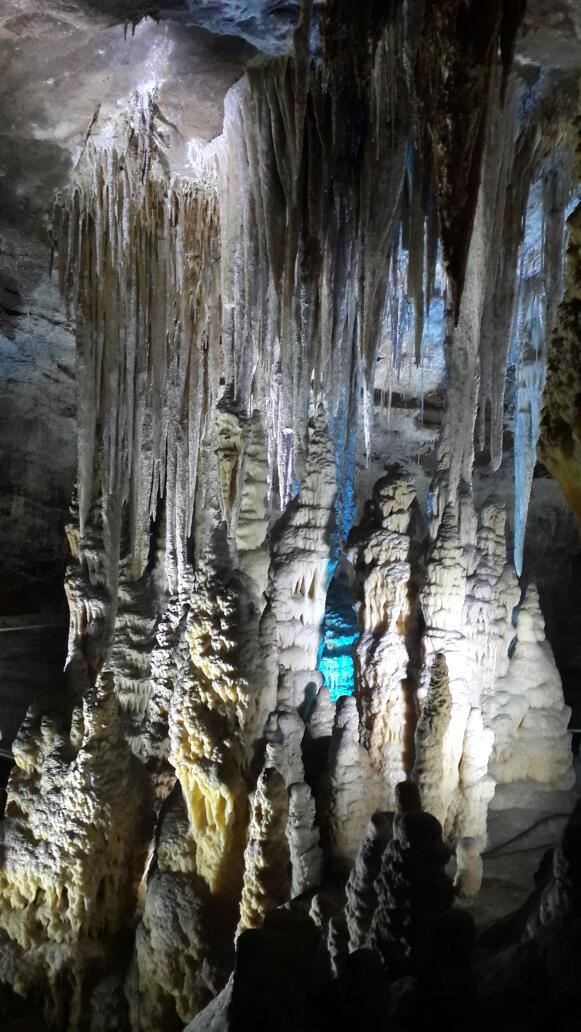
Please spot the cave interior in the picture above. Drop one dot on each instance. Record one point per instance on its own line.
(290, 498)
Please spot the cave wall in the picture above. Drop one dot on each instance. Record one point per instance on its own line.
(270, 348)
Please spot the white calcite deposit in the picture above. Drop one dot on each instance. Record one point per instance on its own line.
(189, 809)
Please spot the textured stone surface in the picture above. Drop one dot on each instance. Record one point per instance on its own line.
(260, 287)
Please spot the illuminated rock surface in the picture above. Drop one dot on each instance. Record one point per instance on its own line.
(281, 285)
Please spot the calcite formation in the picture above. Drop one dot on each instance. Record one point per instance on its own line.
(266, 858)
(430, 733)
(412, 886)
(527, 713)
(361, 891)
(74, 841)
(209, 708)
(386, 614)
(300, 660)
(183, 941)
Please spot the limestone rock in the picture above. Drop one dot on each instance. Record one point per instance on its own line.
(429, 739)
(360, 890)
(412, 888)
(266, 857)
(73, 842)
(183, 944)
(527, 713)
(209, 708)
(386, 615)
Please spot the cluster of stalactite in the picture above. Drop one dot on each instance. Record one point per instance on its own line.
(228, 326)
(139, 265)
(280, 260)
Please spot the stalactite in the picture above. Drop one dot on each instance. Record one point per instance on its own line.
(453, 71)
(540, 290)
(463, 334)
(138, 264)
(498, 318)
(229, 323)
(305, 227)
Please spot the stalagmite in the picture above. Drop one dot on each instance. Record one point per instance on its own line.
(253, 514)
(442, 601)
(299, 573)
(387, 614)
(289, 696)
(429, 739)
(131, 651)
(476, 791)
(467, 602)
(209, 708)
(295, 593)
(73, 845)
(337, 941)
(229, 432)
(561, 896)
(527, 712)
(284, 734)
(183, 944)
(266, 857)
(353, 786)
(303, 835)
(165, 657)
(412, 888)
(360, 889)
(88, 596)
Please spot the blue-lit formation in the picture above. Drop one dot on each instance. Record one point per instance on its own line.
(340, 631)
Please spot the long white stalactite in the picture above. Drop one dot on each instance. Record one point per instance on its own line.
(229, 320)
